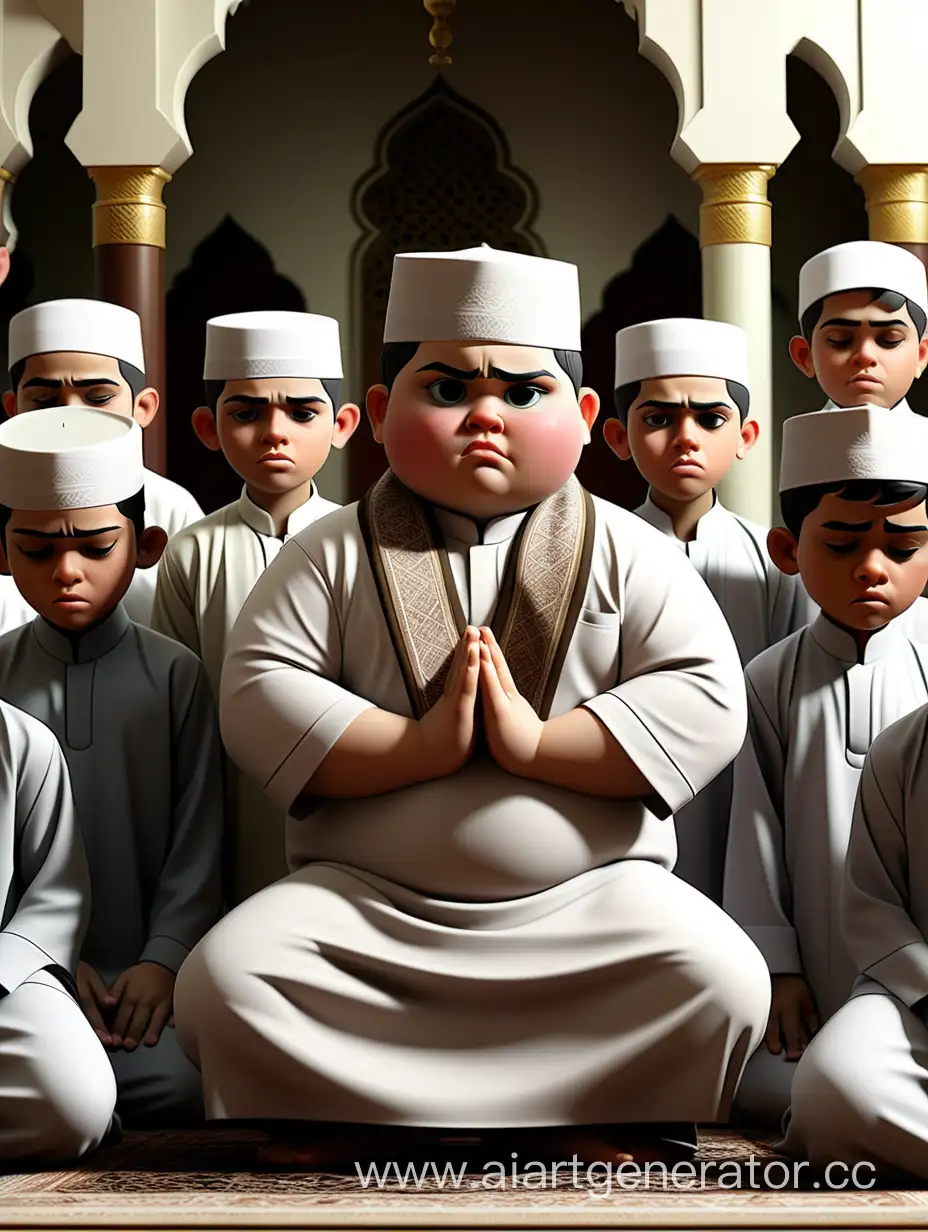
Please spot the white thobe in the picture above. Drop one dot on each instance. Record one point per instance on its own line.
(861, 1090)
(206, 574)
(56, 1087)
(762, 606)
(813, 713)
(479, 949)
(167, 505)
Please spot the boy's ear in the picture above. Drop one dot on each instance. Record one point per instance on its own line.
(204, 425)
(150, 547)
(616, 435)
(5, 569)
(378, 396)
(922, 356)
(784, 550)
(750, 431)
(347, 418)
(800, 352)
(589, 409)
(9, 403)
(146, 407)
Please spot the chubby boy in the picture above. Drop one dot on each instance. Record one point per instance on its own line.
(480, 932)
(273, 407)
(87, 352)
(853, 485)
(683, 414)
(135, 717)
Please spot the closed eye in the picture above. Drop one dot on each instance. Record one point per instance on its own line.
(902, 553)
(97, 553)
(842, 549)
(42, 553)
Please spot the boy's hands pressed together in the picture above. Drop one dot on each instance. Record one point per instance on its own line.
(448, 730)
(145, 1002)
(793, 1019)
(513, 729)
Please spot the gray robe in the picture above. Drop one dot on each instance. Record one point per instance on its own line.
(762, 606)
(135, 716)
(56, 1087)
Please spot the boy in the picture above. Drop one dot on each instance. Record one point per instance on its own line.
(683, 415)
(859, 1091)
(863, 308)
(134, 715)
(72, 352)
(56, 1087)
(479, 937)
(272, 387)
(853, 485)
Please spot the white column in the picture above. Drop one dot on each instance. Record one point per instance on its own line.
(735, 235)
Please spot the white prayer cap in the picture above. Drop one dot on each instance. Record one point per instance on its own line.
(863, 264)
(858, 442)
(71, 458)
(91, 326)
(484, 294)
(681, 346)
(258, 344)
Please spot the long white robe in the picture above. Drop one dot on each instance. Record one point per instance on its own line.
(135, 718)
(762, 606)
(813, 714)
(861, 1090)
(480, 949)
(57, 1090)
(204, 577)
(167, 505)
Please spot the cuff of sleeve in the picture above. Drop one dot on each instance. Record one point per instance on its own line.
(645, 751)
(287, 783)
(778, 945)
(19, 958)
(165, 951)
(904, 973)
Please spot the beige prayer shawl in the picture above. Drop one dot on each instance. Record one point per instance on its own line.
(541, 594)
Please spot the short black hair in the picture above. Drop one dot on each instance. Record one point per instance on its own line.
(625, 396)
(798, 503)
(134, 377)
(133, 508)
(394, 357)
(892, 301)
(331, 385)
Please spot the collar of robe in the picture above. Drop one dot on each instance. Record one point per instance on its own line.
(710, 525)
(82, 647)
(841, 645)
(542, 589)
(901, 405)
(261, 521)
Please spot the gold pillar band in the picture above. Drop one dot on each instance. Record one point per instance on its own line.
(734, 209)
(897, 202)
(7, 176)
(129, 209)
(440, 34)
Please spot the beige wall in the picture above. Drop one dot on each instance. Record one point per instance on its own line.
(284, 123)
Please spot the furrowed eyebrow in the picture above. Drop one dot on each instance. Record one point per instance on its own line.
(851, 527)
(84, 382)
(896, 528)
(43, 382)
(246, 398)
(304, 401)
(60, 534)
(502, 375)
(458, 373)
(662, 406)
(847, 323)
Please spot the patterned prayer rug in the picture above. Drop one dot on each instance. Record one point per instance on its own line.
(215, 1178)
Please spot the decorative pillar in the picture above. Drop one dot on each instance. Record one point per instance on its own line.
(128, 249)
(735, 238)
(897, 205)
